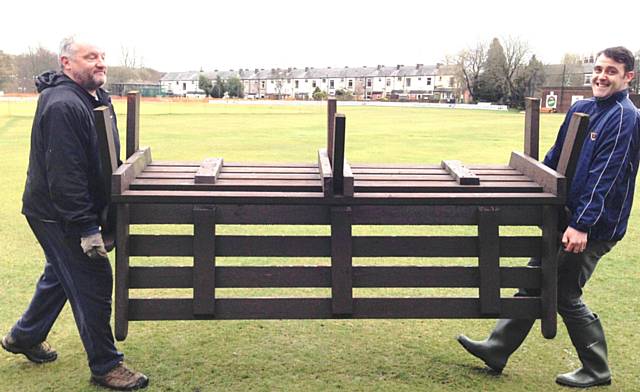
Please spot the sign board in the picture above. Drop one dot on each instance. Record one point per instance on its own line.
(576, 98)
(551, 101)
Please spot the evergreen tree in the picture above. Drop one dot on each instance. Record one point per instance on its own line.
(491, 82)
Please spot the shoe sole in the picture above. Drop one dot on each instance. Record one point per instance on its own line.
(594, 384)
(135, 388)
(30, 358)
(493, 367)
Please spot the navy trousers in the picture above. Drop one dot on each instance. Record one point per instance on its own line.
(71, 275)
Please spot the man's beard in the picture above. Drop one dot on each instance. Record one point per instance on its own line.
(88, 80)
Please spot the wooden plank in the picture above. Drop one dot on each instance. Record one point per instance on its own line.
(532, 127)
(326, 175)
(106, 145)
(572, 146)
(445, 186)
(382, 276)
(331, 115)
(341, 268)
(550, 180)
(133, 122)
(228, 185)
(348, 187)
(338, 156)
(320, 308)
(489, 260)
(460, 173)
(122, 273)
(204, 253)
(550, 249)
(128, 171)
(209, 171)
(320, 246)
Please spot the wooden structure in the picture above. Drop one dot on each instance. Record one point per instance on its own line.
(339, 195)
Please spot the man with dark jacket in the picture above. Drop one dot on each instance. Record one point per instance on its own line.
(600, 203)
(62, 201)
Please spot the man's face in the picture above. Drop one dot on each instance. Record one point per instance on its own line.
(86, 67)
(609, 77)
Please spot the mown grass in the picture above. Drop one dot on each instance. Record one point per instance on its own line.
(317, 355)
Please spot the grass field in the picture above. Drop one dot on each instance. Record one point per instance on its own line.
(359, 355)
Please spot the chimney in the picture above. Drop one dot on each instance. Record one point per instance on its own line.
(346, 66)
(256, 70)
(215, 70)
(418, 66)
(306, 69)
(379, 67)
(398, 66)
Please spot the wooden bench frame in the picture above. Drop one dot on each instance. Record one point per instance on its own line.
(340, 208)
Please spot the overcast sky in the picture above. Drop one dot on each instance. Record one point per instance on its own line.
(189, 35)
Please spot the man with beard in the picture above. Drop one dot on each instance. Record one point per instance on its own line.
(599, 203)
(62, 202)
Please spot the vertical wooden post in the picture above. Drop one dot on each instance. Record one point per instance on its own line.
(489, 260)
(106, 145)
(133, 122)
(122, 273)
(532, 127)
(549, 265)
(337, 163)
(331, 114)
(341, 265)
(204, 260)
(573, 141)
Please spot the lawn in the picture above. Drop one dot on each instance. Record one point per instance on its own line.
(316, 355)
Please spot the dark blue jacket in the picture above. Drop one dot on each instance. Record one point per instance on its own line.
(64, 182)
(602, 188)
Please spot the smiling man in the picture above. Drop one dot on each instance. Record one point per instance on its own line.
(62, 201)
(599, 203)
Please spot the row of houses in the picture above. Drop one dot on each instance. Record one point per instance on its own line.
(416, 83)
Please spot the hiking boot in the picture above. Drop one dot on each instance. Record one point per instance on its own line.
(121, 378)
(40, 353)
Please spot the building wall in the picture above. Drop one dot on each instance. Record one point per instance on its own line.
(565, 96)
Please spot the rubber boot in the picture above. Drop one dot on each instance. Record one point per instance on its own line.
(591, 346)
(505, 338)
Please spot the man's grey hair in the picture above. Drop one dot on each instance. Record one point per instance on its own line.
(67, 48)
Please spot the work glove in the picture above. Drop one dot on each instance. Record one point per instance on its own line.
(93, 246)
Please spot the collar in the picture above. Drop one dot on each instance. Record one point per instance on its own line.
(615, 97)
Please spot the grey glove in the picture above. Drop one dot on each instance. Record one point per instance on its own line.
(93, 246)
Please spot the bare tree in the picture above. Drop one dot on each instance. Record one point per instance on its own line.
(31, 64)
(7, 71)
(129, 58)
(470, 62)
(571, 58)
(515, 52)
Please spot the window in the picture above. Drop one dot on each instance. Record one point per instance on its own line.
(428, 81)
(350, 83)
(288, 81)
(297, 83)
(184, 86)
(331, 83)
(379, 79)
(262, 84)
(177, 83)
(324, 80)
(368, 82)
(271, 81)
(313, 83)
(587, 79)
(408, 82)
(399, 79)
(388, 82)
(419, 78)
(342, 80)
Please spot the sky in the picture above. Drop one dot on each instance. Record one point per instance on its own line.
(192, 35)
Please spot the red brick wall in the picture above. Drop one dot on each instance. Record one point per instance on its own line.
(564, 96)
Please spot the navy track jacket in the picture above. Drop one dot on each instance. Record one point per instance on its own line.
(601, 191)
(64, 182)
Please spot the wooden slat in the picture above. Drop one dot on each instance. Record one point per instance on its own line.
(348, 183)
(549, 266)
(107, 147)
(204, 253)
(550, 180)
(573, 142)
(320, 246)
(341, 269)
(133, 122)
(209, 171)
(532, 127)
(326, 175)
(338, 156)
(128, 171)
(460, 173)
(331, 115)
(383, 276)
(320, 308)
(122, 273)
(489, 260)
(445, 186)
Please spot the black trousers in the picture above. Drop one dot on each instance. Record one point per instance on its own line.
(71, 275)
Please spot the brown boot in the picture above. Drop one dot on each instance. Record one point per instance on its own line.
(121, 378)
(40, 353)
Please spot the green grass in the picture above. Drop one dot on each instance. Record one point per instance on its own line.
(317, 355)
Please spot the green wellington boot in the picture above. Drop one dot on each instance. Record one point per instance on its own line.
(505, 338)
(591, 346)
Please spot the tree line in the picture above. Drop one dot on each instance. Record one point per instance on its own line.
(231, 87)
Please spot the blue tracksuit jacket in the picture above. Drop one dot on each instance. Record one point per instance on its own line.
(601, 191)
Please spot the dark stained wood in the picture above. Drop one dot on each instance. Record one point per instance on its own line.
(128, 171)
(106, 145)
(460, 173)
(338, 156)
(320, 308)
(550, 249)
(550, 180)
(341, 269)
(209, 171)
(122, 273)
(204, 253)
(133, 122)
(331, 115)
(573, 141)
(390, 276)
(489, 260)
(348, 183)
(532, 127)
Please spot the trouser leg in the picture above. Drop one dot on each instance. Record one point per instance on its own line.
(88, 285)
